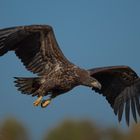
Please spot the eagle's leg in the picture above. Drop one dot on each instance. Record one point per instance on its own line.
(39, 92)
(45, 103)
(38, 101)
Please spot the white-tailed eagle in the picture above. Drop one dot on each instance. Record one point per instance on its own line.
(38, 50)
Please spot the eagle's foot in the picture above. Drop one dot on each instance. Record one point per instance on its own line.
(45, 103)
(38, 101)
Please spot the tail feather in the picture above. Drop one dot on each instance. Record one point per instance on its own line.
(27, 85)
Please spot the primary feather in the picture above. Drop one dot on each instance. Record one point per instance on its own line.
(121, 87)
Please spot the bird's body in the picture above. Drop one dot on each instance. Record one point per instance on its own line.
(59, 80)
(38, 50)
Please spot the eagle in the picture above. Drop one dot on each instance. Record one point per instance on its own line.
(38, 50)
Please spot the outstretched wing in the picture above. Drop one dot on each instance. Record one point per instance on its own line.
(35, 45)
(121, 87)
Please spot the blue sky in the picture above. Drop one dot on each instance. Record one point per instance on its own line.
(91, 33)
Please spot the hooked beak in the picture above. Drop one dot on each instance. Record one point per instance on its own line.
(96, 84)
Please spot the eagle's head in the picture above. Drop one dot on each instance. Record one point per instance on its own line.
(92, 82)
(89, 81)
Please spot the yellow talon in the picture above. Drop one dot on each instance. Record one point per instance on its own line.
(45, 103)
(38, 101)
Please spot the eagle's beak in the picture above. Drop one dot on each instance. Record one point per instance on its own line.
(96, 84)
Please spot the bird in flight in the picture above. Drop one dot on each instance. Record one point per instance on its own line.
(38, 50)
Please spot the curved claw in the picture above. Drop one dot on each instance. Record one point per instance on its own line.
(45, 103)
(38, 101)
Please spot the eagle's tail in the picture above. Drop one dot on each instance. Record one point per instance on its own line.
(27, 85)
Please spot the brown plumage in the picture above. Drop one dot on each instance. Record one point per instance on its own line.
(38, 50)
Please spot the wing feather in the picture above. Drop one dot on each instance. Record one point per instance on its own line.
(127, 111)
(35, 45)
(121, 87)
(133, 109)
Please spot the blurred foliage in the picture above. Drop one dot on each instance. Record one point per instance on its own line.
(11, 129)
(134, 133)
(73, 130)
(113, 134)
(86, 130)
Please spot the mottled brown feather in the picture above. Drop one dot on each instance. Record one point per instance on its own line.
(35, 45)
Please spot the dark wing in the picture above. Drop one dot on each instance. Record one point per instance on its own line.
(35, 45)
(121, 87)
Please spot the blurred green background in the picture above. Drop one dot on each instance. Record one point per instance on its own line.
(12, 129)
